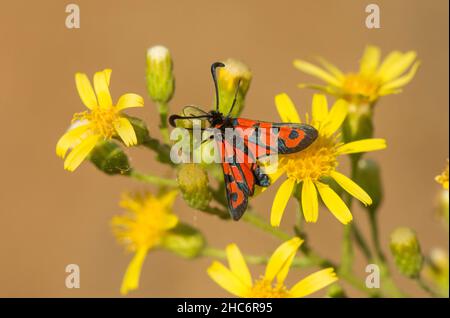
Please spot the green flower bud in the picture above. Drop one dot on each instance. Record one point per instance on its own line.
(228, 78)
(369, 178)
(443, 206)
(143, 138)
(184, 241)
(405, 248)
(336, 291)
(358, 123)
(140, 129)
(110, 158)
(193, 182)
(160, 79)
(436, 270)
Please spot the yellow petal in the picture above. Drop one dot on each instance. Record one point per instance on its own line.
(101, 86)
(401, 63)
(85, 90)
(319, 107)
(70, 139)
(227, 280)
(310, 204)
(126, 131)
(335, 118)
(401, 81)
(370, 61)
(334, 203)
(351, 187)
(363, 145)
(131, 278)
(388, 61)
(331, 68)
(129, 100)
(80, 152)
(286, 109)
(281, 257)
(284, 271)
(168, 198)
(316, 71)
(313, 283)
(280, 201)
(238, 265)
(107, 73)
(325, 89)
(169, 221)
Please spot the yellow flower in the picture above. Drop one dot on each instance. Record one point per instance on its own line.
(319, 160)
(103, 120)
(148, 220)
(374, 79)
(238, 281)
(443, 178)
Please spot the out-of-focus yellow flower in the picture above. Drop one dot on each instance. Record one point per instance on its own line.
(443, 178)
(318, 161)
(238, 281)
(143, 227)
(374, 78)
(103, 120)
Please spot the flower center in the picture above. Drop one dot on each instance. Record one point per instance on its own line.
(314, 162)
(101, 120)
(356, 85)
(145, 225)
(265, 289)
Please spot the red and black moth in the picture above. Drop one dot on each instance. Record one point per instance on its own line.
(241, 176)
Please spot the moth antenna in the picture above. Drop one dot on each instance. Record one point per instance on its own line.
(235, 97)
(214, 76)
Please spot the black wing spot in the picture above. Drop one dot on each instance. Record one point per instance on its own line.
(293, 134)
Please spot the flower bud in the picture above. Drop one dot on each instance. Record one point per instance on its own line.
(110, 158)
(193, 182)
(336, 291)
(405, 248)
(160, 79)
(228, 78)
(140, 129)
(358, 123)
(184, 241)
(442, 206)
(436, 270)
(369, 178)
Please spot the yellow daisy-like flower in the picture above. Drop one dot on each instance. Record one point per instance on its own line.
(309, 166)
(443, 178)
(238, 281)
(374, 78)
(103, 120)
(148, 220)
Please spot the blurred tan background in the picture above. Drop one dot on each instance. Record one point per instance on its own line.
(51, 218)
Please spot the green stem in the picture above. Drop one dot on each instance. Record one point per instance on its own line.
(163, 109)
(361, 242)
(256, 220)
(147, 178)
(425, 287)
(162, 150)
(221, 213)
(375, 236)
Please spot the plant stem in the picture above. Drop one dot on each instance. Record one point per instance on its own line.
(147, 178)
(163, 109)
(361, 242)
(375, 236)
(256, 220)
(425, 287)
